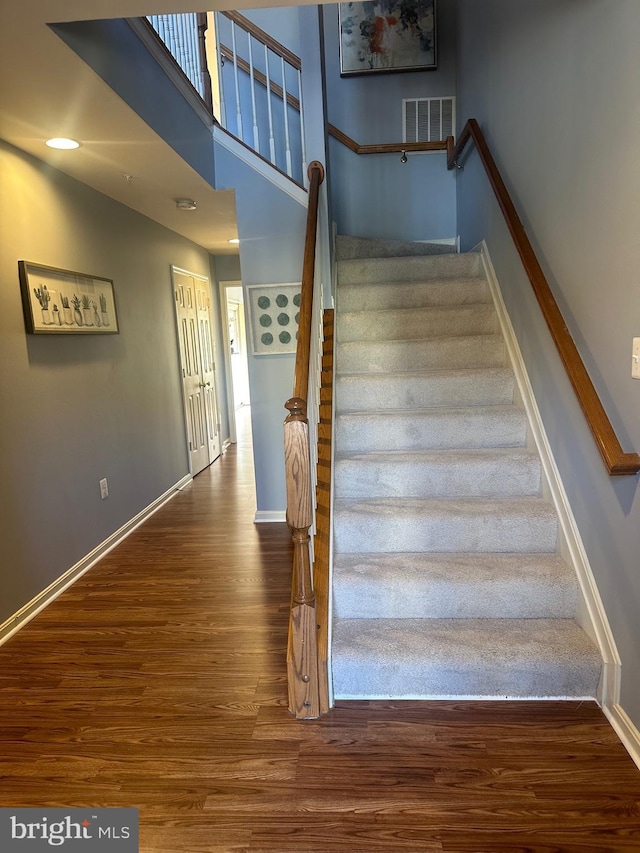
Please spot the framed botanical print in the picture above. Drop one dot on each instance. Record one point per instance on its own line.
(61, 302)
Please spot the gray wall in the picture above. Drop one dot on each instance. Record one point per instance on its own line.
(555, 87)
(270, 224)
(271, 228)
(375, 195)
(280, 22)
(76, 409)
(314, 91)
(120, 58)
(228, 267)
(218, 350)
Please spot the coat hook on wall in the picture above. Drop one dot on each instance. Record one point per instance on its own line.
(403, 159)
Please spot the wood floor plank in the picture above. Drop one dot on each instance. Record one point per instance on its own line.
(158, 681)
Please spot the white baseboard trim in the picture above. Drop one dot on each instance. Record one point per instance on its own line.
(26, 613)
(268, 516)
(597, 624)
(445, 241)
(626, 730)
(262, 167)
(454, 697)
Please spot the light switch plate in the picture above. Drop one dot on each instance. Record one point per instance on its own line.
(635, 361)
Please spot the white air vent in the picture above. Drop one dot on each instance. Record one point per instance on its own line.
(428, 119)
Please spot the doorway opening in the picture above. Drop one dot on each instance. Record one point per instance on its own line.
(235, 347)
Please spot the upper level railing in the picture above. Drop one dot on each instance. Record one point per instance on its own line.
(261, 93)
(257, 83)
(306, 684)
(616, 460)
(183, 36)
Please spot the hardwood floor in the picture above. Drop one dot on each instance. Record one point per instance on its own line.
(158, 681)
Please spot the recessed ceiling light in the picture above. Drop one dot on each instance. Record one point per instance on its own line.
(62, 143)
(234, 240)
(186, 204)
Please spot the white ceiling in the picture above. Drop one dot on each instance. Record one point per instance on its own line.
(47, 90)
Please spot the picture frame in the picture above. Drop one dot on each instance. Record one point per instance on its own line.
(274, 312)
(62, 302)
(387, 36)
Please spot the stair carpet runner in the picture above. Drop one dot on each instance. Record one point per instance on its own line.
(447, 581)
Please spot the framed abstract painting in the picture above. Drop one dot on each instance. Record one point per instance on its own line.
(387, 35)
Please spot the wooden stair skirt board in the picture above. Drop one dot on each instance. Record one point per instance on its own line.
(321, 542)
(448, 579)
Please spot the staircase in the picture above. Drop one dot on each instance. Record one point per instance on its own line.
(447, 581)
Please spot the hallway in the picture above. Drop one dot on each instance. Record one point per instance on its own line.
(158, 681)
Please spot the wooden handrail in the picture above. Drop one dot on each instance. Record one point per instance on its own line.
(279, 49)
(315, 173)
(616, 460)
(385, 147)
(302, 651)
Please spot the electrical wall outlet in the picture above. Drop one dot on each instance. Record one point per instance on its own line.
(104, 489)
(635, 359)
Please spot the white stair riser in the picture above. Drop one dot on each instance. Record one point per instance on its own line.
(415, 324)
(471, 351)
(378, 297)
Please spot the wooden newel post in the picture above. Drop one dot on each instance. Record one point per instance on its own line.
(302, 654)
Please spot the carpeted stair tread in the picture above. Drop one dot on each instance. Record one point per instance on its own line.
(431, 658)
(447, 579)
(417, 323)
(414, 268)
(380, 296)
(432, 428)
(442, 353)
(444, 525)
(409, 390)
(436, 473)
(348, 247)
(453, 586)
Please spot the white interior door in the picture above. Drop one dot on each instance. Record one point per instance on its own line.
(191, 336)
(208, 367)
